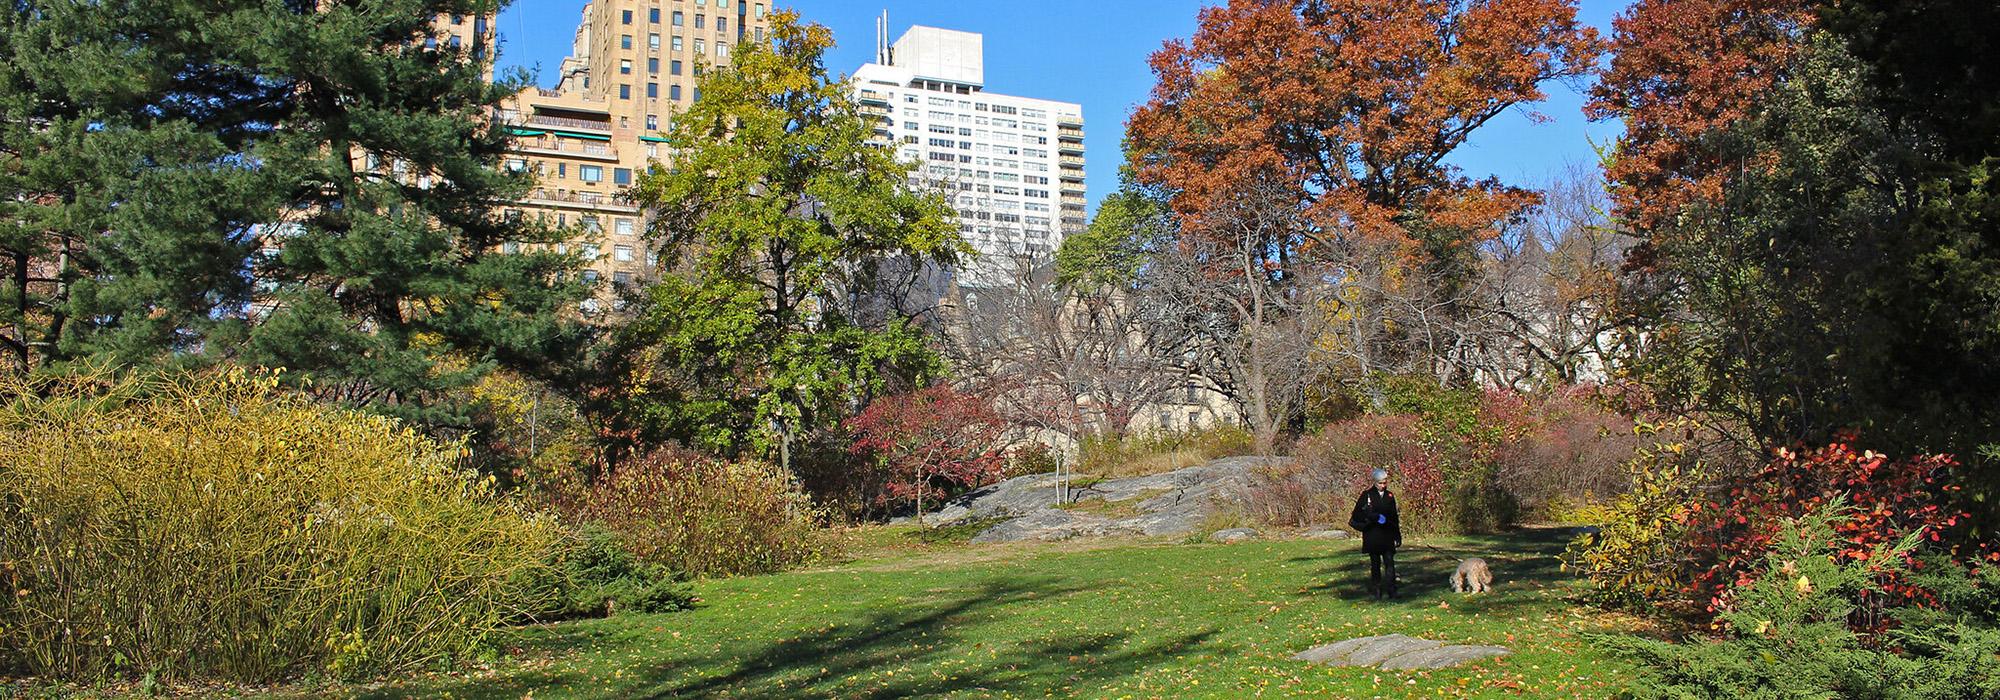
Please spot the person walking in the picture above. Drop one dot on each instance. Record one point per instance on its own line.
(1375, 518)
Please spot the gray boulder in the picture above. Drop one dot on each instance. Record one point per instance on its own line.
(1443, 657)
(1328, 534)
(1234, 534)
(1393, 652)
(1173, 503)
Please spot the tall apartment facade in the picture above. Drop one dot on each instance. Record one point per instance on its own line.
(1013, 166)
(633, 66)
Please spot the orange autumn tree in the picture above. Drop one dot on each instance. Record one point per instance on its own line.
(1683, 70)
(1333, 118)
(1352, 105)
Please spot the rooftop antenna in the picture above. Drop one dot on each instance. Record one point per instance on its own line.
(882, 40)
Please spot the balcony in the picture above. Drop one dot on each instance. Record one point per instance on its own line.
(871, 97)
(588, 201)
(1072, 161)
(568, 123)
(1072, 175)
(570, 148)
(1068, 133)
(1067, 148)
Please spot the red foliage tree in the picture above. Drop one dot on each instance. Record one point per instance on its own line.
(1351, 105)
(930, 443)
(1682, 69)
(1887, 499)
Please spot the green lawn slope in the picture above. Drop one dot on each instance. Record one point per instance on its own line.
(1077, 619)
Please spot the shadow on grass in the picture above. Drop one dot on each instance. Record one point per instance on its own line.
(1522, 561)
(925, 642)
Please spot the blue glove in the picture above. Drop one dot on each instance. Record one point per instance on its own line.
(1381, 519)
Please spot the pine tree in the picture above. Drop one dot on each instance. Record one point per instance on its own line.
(307, 185)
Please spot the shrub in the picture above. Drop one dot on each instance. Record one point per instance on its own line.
(1636, 558)
(211, 527)
(1031, 458)
(1573, 453)
(1731, 534)
(928, 444)
(703, 516)
(1328, 470)
(600, 576)
(1788, 635)
(1163, 451)
(1464, 460)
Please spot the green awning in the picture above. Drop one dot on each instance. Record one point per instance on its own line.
(654, 139)
(517, 131)
(575, 135)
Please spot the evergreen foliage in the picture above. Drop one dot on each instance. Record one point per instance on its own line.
(308, 185)
(1788, 633)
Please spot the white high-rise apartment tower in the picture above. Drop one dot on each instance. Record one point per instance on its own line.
(1013, 165)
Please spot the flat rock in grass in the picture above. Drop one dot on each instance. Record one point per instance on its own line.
(1234, 534)
(1397, 652)
(1335, 654)
(1328, 534)
(1391, 647)
(1444, 657)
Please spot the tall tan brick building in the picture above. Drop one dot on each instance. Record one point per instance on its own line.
(633, 67)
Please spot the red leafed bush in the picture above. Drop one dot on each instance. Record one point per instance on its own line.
(929, 444)
(1888, 499)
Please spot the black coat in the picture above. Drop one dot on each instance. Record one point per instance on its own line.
(1375, 518)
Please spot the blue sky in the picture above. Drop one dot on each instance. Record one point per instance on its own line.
(1093, 52)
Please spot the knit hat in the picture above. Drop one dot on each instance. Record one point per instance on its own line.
(1381, 475)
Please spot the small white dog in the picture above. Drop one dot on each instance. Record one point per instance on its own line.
(1472, 576)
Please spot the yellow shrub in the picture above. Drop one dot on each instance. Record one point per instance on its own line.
(211, 526)
(708, 517)
(1634, 556)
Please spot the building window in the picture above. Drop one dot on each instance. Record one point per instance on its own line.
(653, 90)
(653, 15)
(621, 278)
(624, 67)
(621, 176)
(653, 66)
(589, 224)
(590, 173)
(721, 50)
(653, 41)
(700, 21)
(677, 43)
(673, 92)
(722, 24)
(628, 17)
(622, 253)
(700, 46)
(624, 92)
(562, 170)
(590, 275)
(624, 41)
(623, 227)
(652, 122)
(675, 68)
(678, 18)
(759, 11)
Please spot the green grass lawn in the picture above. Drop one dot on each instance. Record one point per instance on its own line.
(1090, 619)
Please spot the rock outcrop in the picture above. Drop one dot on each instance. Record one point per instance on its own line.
(1173, 503)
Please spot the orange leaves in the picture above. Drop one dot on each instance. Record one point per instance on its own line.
(1683, 69)
(1351, 103)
